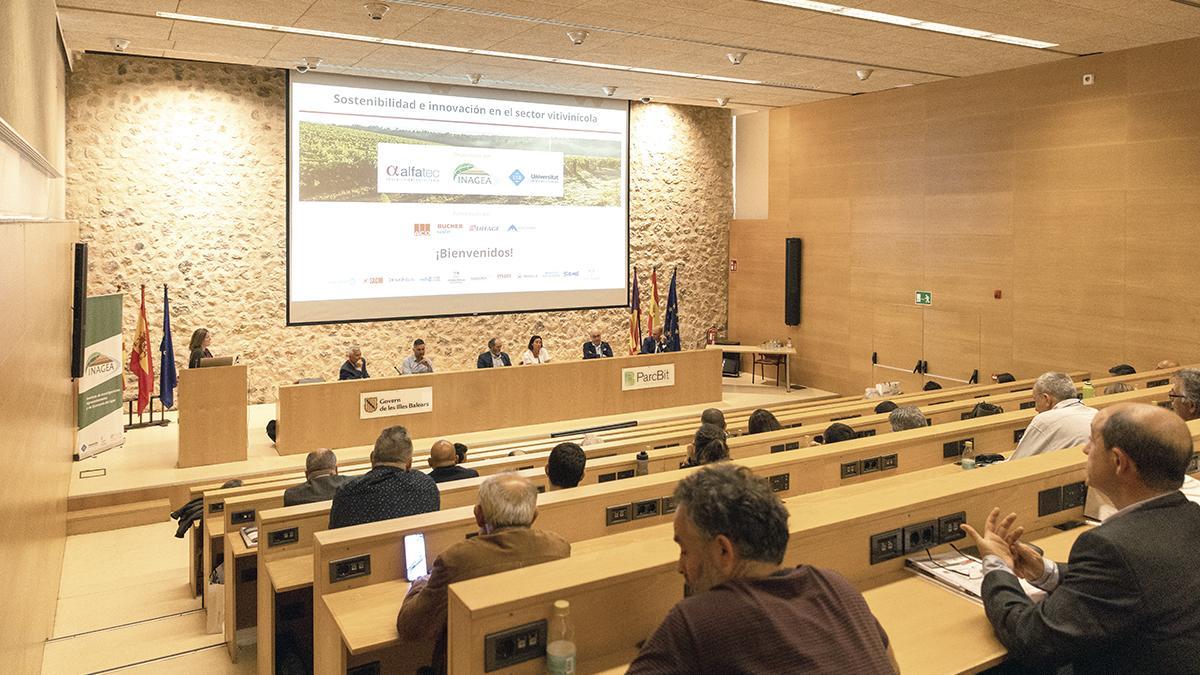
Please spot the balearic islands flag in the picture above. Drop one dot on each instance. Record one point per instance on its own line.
(139, 359)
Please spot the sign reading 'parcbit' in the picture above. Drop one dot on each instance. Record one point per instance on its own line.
(394, 402)
(648, 377)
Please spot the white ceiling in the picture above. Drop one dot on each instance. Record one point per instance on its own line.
(796, 47)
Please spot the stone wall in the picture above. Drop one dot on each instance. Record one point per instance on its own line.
(177, 175)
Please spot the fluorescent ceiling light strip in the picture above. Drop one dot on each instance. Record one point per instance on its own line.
(908, 22)
(310, 32)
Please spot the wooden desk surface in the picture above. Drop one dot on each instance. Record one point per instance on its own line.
(238, 545)
(366, 616)
(753, 349)
(917, 613)
(288, 574)
(216, 528)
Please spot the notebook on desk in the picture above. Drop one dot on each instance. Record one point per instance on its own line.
(250, 536)
(960, 573)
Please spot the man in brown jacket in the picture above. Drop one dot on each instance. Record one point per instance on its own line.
(507, 508)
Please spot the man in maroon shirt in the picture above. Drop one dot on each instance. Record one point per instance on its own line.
(748, 613)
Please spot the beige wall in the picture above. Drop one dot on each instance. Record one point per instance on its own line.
(36, 416)
(1077, 203)
(177, 173)
(751, 152)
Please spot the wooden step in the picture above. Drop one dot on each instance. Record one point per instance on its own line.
(104, 518)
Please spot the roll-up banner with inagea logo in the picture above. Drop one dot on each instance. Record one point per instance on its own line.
(98, 392)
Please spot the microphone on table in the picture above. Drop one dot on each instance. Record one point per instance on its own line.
(397, 370)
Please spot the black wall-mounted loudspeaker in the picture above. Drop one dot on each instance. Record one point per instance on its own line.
(79, 310)
(791, 282)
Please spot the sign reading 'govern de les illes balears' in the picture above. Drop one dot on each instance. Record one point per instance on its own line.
(648, 377)
(394, 402)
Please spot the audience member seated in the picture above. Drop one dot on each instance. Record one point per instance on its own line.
(505, 513)
(564, 466)
(655, 342)
(931, 386)
(494, 357)
(713, 416)
(417, 362)
(391, 489)
(596, 348)
(516, 453)
(984, 409)
(198, 347)
(708, 445)
(907, 417)
(747, 613)
(1185, 393)
(1117, 388)
(1166, 363)
(885, 407)
(321, 479)
(535, 353)
(1063, 421)
(444, 464)
(762, 421)
(1122, 369)
(460, 453)
(355, 367)
(836, 433)
(1128, 599)
(1004, 378)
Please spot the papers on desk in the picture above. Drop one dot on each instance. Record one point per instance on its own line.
(962, 574)
(250, 536)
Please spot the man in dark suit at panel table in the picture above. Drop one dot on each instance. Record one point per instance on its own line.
(1128, 599)
(656, 343)
(321, 479)
(596, 348)
(494, 357)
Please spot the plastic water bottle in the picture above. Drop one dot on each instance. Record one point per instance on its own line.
(643, 463)
(968, 455)
(1088, 389)
(560, 652)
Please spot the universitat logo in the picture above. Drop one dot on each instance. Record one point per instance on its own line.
(516, 177)
(99, 364)
(420, 229)
(470, 174)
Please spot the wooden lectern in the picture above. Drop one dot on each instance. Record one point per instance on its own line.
(212, 416)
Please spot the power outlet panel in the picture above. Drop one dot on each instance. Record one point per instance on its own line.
(242, 517)
(627, 473)
(615, 515)
(778, 448)
(870, 465)
(885, 546)
(1027, 405)
(780, 482)
(851, 469)
(646, 509)
(1050, 501)
(515, 645)
(216, 507)
(888, 462)
(668, 505)
(920, 536)
(1074, 495)
(283, 537)
(793, 445)
(349, 568)
(865, 433)
(606, 477)
(1158, 383)
(949, 527)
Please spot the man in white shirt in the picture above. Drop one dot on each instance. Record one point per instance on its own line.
(416, 362)
(1063, 421)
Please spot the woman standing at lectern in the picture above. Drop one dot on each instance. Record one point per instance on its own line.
(199, 347)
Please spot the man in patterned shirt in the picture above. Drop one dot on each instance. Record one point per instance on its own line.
(748, 612)
(391, 489)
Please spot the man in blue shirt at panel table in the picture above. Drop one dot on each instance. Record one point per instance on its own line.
(391, 489)
(596, 348)
(416, 363)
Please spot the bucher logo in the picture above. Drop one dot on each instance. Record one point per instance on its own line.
(471, 174)
(371, 404)
(421, 229)
(516, 177)
(99, 364)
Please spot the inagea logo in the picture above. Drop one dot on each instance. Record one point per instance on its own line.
(469, 173)
(99, 364)
(420, 229)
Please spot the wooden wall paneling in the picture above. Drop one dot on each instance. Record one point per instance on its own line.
(1146, 72)
(898, 334)
(951, 344)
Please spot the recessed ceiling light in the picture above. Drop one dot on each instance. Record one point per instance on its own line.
(908, 22)
(577, 36)
(474, 78)
(722, 101)
(120, 44)
(293, 30)
(609, 90)
(736, 57)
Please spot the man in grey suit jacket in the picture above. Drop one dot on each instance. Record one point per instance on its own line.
(322, 479)
(1128, 600)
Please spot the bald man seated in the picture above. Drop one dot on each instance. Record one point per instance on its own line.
(505, 513)
(1128, 599)
(321, 479)
(444, 461)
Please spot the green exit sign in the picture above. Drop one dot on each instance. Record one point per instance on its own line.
(924, 297)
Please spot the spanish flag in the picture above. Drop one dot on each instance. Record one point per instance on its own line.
(140, 363)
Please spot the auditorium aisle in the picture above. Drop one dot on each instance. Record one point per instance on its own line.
(124, 606)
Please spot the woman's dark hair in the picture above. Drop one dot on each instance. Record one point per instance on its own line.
(762, 421)
(535, 337)
(885, 407)
(713, 451)
(460, 451)
(198, 336)
(931, 386)
(837, 432)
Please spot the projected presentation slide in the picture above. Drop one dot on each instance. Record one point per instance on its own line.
(412, 200)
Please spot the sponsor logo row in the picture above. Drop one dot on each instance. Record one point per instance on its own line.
(431, 229)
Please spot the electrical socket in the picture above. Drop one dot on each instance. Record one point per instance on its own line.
(283, 537)
(1027, 405)
(1074, 495)
(242, 517)
(920, 536)
(627, 473)
(888, 462)
(1050, 501)
(948, 527)
(885, 546)
(777, 448)
(1158, 383)
(515, 645)
(780, 482)
(793, 445)
(349, 568)
(606, 477)
(668, 505)
(870, 465)
(645, 509)
(851, 469)
(615, 515)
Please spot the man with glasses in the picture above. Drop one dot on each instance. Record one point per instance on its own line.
(596, 348)
(1185, 394)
